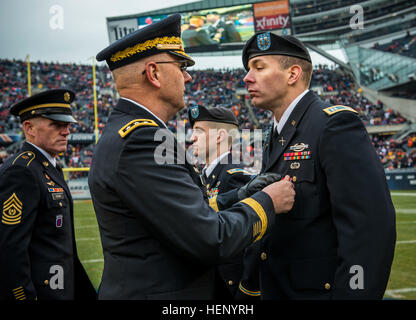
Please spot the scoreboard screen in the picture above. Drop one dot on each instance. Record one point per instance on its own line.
(216, 29)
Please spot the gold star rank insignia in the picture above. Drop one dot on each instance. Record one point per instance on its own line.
(12, 210)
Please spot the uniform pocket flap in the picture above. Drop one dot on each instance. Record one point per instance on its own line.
(301, 170)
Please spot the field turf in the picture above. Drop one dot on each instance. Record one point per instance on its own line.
(402, 283)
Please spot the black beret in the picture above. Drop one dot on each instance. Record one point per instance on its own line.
(217, 114)
(54, 104)
(161, 36)
(268, 43)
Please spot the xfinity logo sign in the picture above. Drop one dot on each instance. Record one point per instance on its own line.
(278, 22)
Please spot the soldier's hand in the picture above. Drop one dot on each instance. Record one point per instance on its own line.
(282, 194)
(257, 184)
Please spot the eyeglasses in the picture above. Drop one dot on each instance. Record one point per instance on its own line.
(183, 64)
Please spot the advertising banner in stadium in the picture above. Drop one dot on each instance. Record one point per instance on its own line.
(79, 189)
(121, 28)
(273, 15)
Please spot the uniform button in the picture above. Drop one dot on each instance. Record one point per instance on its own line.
(263, 256)
(230, 282)
(294, 179)
(60, 204)
(327, 286)
(46, 282)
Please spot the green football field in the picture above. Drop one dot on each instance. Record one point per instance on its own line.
(402, 283)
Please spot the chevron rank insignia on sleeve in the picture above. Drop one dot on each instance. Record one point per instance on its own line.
(338, 108)
(129, 127)
(12, 210)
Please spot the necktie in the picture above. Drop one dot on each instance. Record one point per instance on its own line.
(273, 139)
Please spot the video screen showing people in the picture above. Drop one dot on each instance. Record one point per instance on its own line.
(217, 26)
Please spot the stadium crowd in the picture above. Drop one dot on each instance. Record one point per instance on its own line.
(404, 45)
(209, 88)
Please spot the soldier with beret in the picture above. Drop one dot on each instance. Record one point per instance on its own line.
(212, 137)
(38, 254)
(337, 242)
(213, 132)
(160, 237)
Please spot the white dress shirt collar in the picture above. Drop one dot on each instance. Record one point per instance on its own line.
(208, 170)
(143, 107)
(280, 124)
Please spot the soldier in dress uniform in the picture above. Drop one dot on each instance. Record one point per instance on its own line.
(160, 237)
(212, 137)
(38, 255)
(338, 240)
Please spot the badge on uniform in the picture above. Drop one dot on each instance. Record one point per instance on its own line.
(264, 41)
(194, 111)
(299, 147)
(294, 165)
(58, 196)
(59, 220)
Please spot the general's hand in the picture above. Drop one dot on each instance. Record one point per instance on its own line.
(282, 194)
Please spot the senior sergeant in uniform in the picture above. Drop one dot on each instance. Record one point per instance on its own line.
(38, 255)
(160, 237)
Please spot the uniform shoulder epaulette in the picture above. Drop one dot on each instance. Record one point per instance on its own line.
(25, 158)
(134, 124)
(236, 170)
(338, 108)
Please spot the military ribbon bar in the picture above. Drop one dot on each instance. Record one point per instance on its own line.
(304, 155)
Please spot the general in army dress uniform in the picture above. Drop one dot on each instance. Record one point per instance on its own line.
(160, 237)
(38, 255)
(338, 240)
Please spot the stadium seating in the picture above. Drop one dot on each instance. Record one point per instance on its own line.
(209, 88)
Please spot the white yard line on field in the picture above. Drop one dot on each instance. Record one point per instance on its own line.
(405, 241)
(403, 194)
(395, 293)
(406, 211)
(92, 261)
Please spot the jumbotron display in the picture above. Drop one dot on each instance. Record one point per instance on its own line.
(226, 28)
